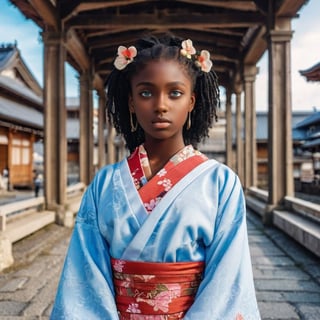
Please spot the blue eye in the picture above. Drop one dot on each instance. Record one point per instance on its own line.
(146, 94)
(176, 93)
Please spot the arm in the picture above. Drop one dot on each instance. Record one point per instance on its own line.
(85, 290)
(227, 289)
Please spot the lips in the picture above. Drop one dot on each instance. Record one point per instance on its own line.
(161, 123)
(160, 120)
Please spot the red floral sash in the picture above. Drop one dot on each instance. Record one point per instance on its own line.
(155, 291)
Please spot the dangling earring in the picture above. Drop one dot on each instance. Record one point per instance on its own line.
(189, 121)
(133, 126)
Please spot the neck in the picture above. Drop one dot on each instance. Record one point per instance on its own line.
(159, 152)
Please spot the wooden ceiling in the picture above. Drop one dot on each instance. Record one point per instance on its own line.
(233, 31)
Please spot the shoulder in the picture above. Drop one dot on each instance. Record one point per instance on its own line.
(99, 186)
(221, 171)
(105, 176)
(223, 179)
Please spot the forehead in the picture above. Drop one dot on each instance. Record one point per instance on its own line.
(162, 70)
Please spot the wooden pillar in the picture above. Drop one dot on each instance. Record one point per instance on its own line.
(86, 129)
(250, 153)
(239, 136)
(101, 129)
(280, 170)
(55, 142)
(229, 157)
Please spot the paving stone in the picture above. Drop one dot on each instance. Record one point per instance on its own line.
(277, 311)
(265, 250)
(285, 285)
(14, 284)
(11, 308)
(268, 296)
(282, 274)
(273, 261)
(309, 297)
(309, 311)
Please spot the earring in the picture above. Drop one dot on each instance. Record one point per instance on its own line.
(189, 121)
(133, 126)
(113, 107)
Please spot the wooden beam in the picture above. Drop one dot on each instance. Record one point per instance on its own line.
(47, 12)
(71, 9)
(290, 7)
(233, 5)
(172, 21)
(77, 50)
(256, 48)
(198, 36)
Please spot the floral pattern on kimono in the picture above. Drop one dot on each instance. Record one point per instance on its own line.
(140, 170)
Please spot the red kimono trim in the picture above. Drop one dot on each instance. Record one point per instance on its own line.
(153, 190)
(155, 291)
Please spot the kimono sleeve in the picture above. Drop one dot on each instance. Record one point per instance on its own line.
(227, 290)
(85, 290)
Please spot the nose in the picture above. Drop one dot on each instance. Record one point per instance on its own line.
(161, 105)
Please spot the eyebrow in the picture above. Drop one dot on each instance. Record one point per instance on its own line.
(174, 83)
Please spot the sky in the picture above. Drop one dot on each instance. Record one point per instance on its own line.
(305, 52)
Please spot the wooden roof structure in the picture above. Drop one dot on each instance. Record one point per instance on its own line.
(232, 30)
(312, 73)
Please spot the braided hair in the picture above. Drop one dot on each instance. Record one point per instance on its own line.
(205, 87)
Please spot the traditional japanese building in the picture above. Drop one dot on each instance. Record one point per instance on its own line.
(21, 116)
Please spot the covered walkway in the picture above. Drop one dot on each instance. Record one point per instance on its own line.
(85, 34)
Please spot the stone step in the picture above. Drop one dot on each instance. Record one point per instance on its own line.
(305, 231)
(20, 227)
(255, 204)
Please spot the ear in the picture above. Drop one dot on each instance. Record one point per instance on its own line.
(130, 104)
(192, 101)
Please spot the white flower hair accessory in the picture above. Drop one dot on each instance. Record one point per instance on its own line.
(125, 56)
(187, 48)
(201, 59)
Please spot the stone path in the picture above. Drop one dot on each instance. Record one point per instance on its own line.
(287, 278)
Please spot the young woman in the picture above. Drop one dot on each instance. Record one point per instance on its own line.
(161, 234)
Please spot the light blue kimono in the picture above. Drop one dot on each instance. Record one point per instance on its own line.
(202, 218)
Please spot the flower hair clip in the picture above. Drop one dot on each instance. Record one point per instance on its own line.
(125, 56)
(201, 59)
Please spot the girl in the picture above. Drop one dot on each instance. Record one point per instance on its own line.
(162, 234)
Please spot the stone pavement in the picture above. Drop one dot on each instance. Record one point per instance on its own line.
(287, 278)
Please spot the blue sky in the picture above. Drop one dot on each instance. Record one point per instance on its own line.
(305, 52)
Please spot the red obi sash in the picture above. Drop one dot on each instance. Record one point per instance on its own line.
(155, 291)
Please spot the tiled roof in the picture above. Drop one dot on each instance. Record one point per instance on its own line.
(311, 120)
(21, 114)
(20, 89)
(313, 73)
(312, 143)
(6, 52)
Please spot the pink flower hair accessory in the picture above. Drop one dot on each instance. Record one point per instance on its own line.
(125, 56)
(201, 59)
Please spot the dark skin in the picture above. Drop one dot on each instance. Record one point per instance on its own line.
(162, 96)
